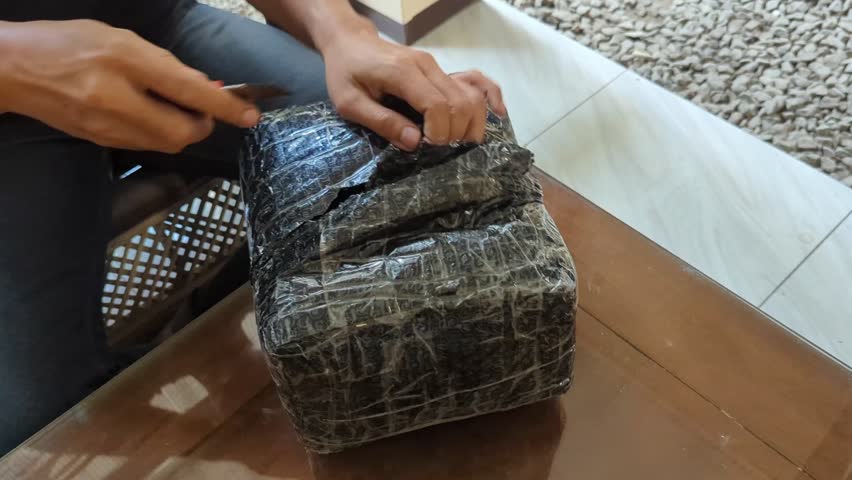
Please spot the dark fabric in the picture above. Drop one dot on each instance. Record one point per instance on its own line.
(54, 218)
(54, 212)
(145, 17)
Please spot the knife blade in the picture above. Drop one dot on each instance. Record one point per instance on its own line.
(254, 92)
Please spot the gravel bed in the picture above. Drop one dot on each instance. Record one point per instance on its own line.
(240, 7)
(779, 69)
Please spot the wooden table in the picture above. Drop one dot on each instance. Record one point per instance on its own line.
(676, 378)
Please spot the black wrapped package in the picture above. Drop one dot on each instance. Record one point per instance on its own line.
(400, 290)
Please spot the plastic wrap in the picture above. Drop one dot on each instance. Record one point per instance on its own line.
(400, 290)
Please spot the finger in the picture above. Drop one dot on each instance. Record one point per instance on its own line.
(171, 128)
(176, 129)
(358, 107)
(117, 133)
(165, 75)
(476, 129)
(491, 90)
(128, 137)
(410, 84)
(123, 116)
(460, 110)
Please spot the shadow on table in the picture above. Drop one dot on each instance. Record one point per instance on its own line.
(518, 444)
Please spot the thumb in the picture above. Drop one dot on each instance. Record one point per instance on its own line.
(363, 110)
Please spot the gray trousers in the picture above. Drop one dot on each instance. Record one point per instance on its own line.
(55, 194)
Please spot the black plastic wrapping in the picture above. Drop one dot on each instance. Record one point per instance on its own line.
(400, 290)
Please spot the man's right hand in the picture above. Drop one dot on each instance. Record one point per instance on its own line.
(110, 86)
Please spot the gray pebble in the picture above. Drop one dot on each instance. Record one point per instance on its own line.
(795, 102)
(836, 7)
(774, 105)
(820, 70)
(827, 164)
(818, 89)
(806, 143)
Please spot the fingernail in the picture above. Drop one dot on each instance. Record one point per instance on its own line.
(219, 83)
(251, 117)
(410, 138)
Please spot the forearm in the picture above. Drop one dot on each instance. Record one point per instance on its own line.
(315, 22)
(7, 90)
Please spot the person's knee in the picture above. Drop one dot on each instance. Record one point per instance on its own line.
(317, 91)
(308, 87)
(314, 87)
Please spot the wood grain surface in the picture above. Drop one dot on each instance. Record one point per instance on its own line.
(675, 378)
(773, 382)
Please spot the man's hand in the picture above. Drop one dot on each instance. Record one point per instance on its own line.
(110, 86)
(361, 68)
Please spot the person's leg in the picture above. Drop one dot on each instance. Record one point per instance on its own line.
(235, 49)
(54, 227)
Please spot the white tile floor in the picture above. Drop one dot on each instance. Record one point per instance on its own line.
(816, 300)
(727, 203)
(744, 213)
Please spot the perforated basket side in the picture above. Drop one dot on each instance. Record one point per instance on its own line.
(160, 261)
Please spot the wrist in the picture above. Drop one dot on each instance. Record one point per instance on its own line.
(336, 22)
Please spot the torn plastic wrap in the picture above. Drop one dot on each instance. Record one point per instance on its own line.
(400, 290)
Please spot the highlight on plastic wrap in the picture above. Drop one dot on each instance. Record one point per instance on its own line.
(398, 290)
